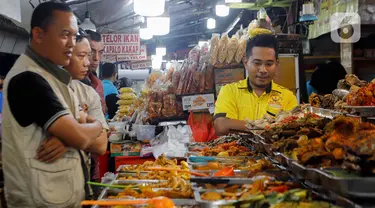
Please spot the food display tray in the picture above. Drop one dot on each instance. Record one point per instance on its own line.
(237, 173)
(225, 159)
(362, 111)
(110, 192)
(118, 170)
(221, 180)
(310, 176)
(210, 204)
(195, 145)
(352, 187)
(124, 174)
(282, 159)
(319, 179)
(326, 113)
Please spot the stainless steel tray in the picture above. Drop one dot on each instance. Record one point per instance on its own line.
(221, 180)
(223, 159)
(123, 174)
(326, 113)
(209, 204)
(282, 159)
(362, 111)
(196, 145)
(309, 176)
(108, 192)
(353, 187)
(237, 173)
(127, 171)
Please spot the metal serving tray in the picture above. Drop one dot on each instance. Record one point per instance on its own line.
(196, 145)
(210, 204)
(110, 192)
(282, 159)
(223, 159)
(221, 180)
(127, 171)
(362, 111)
(237, 173)
(326, 113)
(352, 187)
(310, 176)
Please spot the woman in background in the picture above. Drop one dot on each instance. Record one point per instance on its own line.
(325, 78)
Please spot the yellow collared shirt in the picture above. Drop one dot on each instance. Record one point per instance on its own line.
(239, 101)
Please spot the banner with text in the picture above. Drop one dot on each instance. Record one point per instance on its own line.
(132, 57)
(325, 9)
(121, 44)
(141, 65)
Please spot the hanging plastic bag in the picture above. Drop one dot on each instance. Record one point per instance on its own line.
(212, 133)
(199, 128)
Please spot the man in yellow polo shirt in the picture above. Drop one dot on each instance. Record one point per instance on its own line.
(257, 95)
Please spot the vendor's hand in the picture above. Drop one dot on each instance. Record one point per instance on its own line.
(82, 117)
(50, 150)
(90, 119)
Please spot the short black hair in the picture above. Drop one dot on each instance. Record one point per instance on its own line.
(94, 36)
(43, 14)
(125, 82)
(108, 69)
(262, 40)
(81, 35)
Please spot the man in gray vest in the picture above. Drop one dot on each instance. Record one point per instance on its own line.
(39, 103)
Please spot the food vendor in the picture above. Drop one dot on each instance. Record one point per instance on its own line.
(257, 95)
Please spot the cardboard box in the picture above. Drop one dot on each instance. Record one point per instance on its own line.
(126, 149)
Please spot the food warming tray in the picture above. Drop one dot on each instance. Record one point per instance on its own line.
(110, 192)
(353, 187)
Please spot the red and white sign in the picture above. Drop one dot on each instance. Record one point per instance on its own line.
(121, 44)
(121, 50)
(141, 65)
(130, 57)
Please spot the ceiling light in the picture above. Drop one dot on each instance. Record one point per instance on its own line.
(158, 25)
(87, 24)
(161, 51)
(156, 62)
(149, 8)
(145, 33)
(222, 10)
(211, 23)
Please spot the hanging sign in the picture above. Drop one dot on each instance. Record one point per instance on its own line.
(198, 102)
(325, 10)
(132, 57)
(121, 44)
(141, 65)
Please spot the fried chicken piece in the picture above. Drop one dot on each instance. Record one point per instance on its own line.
(338, 153)
(352, 79)
(315, 100)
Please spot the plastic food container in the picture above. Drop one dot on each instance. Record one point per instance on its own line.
(118, 127)
(144, 132)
